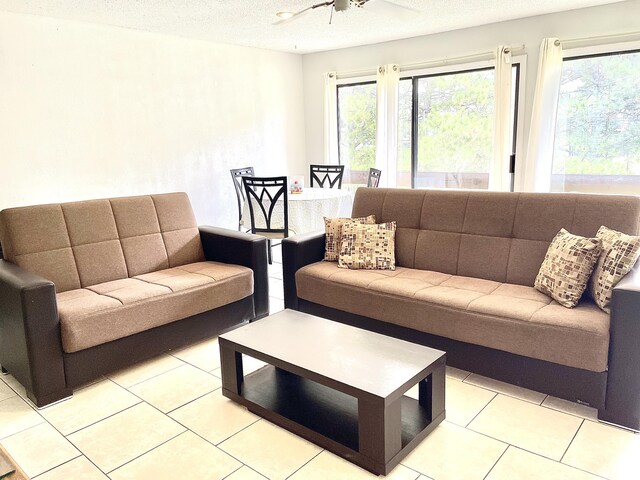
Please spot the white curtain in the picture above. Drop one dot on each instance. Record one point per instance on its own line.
(543, 116)
(388, 79)
(330, 119)
(499, 178)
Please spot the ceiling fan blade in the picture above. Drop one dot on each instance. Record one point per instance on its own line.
(297, 14)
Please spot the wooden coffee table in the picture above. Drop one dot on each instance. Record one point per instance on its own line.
(338, 386)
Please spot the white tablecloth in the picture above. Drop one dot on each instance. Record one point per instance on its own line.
(308, 209)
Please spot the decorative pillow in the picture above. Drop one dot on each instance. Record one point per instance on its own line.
(333, 229)
(619, 255)
(567, 267)
(368, 247)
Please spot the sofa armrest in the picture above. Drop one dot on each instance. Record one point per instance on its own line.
(229, 246)
(623, 379)
(298, 251)
(30, 342)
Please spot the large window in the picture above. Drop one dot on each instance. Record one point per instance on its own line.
(357, 131)
(445, 132)
(597, 143)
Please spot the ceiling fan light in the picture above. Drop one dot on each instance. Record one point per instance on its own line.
(284, 15)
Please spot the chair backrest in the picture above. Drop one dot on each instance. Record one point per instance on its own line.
(374, 178)
(268, 207)
(236, 176)
(327, 175)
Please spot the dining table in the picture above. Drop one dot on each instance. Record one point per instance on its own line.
(308, 208)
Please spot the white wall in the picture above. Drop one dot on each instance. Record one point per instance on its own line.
(90, 111)
(604, 20)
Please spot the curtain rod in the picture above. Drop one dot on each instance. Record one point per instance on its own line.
(356, 73)
(600, 37)
(413, 66)
(473, 56)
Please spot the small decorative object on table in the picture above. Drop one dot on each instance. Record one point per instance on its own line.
(297, 184)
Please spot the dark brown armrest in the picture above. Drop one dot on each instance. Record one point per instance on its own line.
(30, 342)
(623, 379)
(230, 246)
(298, 251)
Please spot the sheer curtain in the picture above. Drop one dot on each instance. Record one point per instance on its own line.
(543, 116)
(499, 178)
(387, 81)
(330, 119)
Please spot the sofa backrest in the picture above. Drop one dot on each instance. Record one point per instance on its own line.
(80, 244)
(491, 235)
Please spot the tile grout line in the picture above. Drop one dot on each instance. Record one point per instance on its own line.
(222, 441)
(2, 439)
(186, 362)
(153, 376)
(572, 439)
(142, 401)
(305, 463)
(148, 451)
(168, 412)
(56, 466)
(495, 395)
(560, 463)
(564, 411)
(105, 418)
(414, 471)
(74, 445)
(234, 434)
(506, 394)
(227, 476)
(46, 422)
(496, 462)
(507, 443)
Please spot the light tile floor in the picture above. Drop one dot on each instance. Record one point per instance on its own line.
(166, 418)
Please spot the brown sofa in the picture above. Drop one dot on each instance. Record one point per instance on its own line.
(467, 262)
(90, 287)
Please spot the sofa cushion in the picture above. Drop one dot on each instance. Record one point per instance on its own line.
(513, 318)
(619, 254)
(368, 247)
(500, 236)
(101, 313)
(333, 234)
(567, 266)
(80, 244)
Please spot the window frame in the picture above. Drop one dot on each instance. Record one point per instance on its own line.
(349, 82)
(593, 51)
(519, 62)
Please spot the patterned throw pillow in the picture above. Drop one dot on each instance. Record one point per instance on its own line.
(333, 229)
(619, 255)
(567, 267)
(368, 247)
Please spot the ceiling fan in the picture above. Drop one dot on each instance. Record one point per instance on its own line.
(343, 5)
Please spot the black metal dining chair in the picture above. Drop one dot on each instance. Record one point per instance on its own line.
(327, 176)
(374, 178)
(265, 196)
(236, 176)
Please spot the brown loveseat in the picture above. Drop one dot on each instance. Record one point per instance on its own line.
(467, 262)
(90, 287)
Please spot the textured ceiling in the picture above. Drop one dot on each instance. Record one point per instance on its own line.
(251, 22)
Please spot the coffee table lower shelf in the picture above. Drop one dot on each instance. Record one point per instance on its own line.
(325, 416)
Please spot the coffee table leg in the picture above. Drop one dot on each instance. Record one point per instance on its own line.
(379, 430)
(231, 368)
(431, 392)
